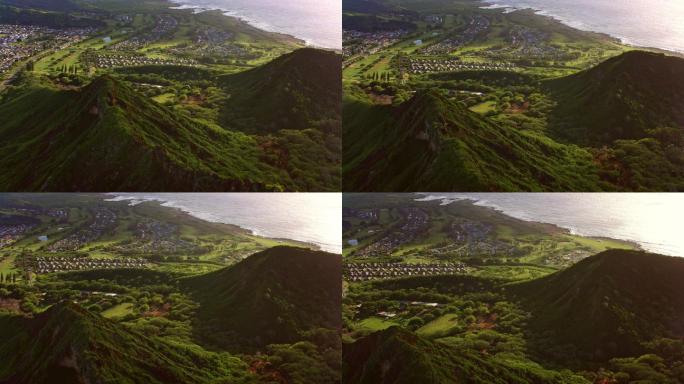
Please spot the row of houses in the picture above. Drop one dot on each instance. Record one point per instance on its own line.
(375, 271)
(130, 60)
(420, 66)
(164, 27)
(367, 43)
(42, 265)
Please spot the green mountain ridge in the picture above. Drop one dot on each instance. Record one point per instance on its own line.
(606, 306)
(621, 98)
(68, 344)
(290, 92)
(274, 296)
(398, 356)
(432, 143)
(107, 137)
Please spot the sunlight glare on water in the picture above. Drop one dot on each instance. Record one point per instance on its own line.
(310, 217)
(651, 219)
(646, 23)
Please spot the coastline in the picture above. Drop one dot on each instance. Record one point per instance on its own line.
(132, 201)
(444, 200)
(575, 24)
(250, 21)
(176, 6)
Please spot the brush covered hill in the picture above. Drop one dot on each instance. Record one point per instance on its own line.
(296, 91)
(431, 143)
(621, 98)
(275, 296)
(70, 345)
(608, 305)
(398, 356)
(105, 136)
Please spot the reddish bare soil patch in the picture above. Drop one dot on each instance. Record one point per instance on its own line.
(158, 311)
(519, 108)
(265, 370)
(11, 305)
(485, 322)
(381, 99)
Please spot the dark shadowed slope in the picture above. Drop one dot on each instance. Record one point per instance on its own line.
(69, 345)
(431, 143)
(606, 305)
(298, 90)
(274, 296)
(621, 98)
(398, 356)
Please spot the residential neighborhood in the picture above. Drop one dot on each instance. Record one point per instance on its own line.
(415, 222)
(103, 219)
(20, 42)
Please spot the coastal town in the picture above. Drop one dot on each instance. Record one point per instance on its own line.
(18, 43)
(10, 233)
(470, 238)
(415, 222)
(156, 237)
(103, 220)
(477, 26)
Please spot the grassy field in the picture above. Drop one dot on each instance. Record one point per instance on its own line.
(441, 324)
(119, 310)
(373, 324)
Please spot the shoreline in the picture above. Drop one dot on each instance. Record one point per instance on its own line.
(252, 22)
(132, 201)
(575, 24)
(444, 200)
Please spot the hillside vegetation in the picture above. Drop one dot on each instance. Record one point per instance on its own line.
(70, 345)
(606, 306)
(615, 126)
(107, 136)
(268, 298)
(612, 318)
(432, 143)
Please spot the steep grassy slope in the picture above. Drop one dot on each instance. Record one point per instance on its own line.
(430, 143)
(67, 344)
(107, 137)
(398, 356)
(606, 306)
(298, 90)
(621, 98)
(274, 296)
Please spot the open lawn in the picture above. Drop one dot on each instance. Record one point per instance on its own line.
(119, 310)
(439, 325)
(373, 324)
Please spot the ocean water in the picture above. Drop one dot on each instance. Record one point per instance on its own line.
(653, 220)
(309, 217)
(645, 23)
(318, 22)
